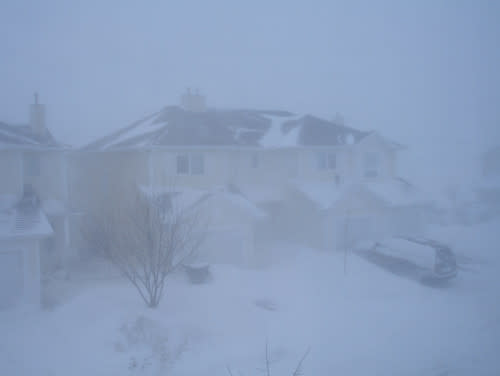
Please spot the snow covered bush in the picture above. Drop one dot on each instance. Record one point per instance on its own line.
(146, 240)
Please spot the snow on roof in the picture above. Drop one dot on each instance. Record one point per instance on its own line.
(396, 192)
(241, 202)
(188, 198)
(23, 221)
(144, 129)
(260, 193)
(323, 194)
(393, 192)
(276, 137)
(53, 207)
(175, 126)
(455, 196)
(22, 136)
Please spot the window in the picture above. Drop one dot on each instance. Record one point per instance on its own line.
(255, 160)
(332, 161)
(190, 164)
(197, 164)
(182, 164)
(326, 160)
(371, 165)
(321, 160)
(31, 165)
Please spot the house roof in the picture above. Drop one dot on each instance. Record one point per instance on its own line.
(392, 192)
(188, 198)
(23, 137)
(23, 219)
(175, 126)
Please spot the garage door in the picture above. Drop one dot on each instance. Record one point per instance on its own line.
(226, 246)
(11, 278)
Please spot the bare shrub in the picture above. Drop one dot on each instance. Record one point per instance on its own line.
(146, 240)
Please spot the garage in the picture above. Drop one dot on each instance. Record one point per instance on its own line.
(22, 228)
(11, 277)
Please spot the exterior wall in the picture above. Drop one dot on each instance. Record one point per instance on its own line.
(222, 167)
(96, 179)
(308, 165)
(263, 166)
(29, 288)
(11, 167)
(49, 179)
(164, 169)
(386, 158)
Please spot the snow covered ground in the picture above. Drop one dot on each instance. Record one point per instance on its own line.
(364, 322)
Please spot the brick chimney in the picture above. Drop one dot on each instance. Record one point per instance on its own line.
(193, 101)
(37, 117)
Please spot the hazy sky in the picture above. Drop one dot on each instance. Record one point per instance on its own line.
(425, 73)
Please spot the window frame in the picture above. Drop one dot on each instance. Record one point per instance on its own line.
(184, 159)
(326, 160)
(371, 165)
(190, 163)
(199, 167)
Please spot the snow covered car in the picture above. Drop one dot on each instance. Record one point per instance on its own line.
(423, 259)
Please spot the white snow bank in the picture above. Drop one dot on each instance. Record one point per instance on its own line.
(361, 321)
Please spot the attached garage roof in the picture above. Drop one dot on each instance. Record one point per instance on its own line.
(24, 220)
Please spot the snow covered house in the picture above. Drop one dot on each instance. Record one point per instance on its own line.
(267, 155)
(33, 163)
(488, 191)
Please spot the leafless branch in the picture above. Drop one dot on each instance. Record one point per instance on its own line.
(298, 369)
(146, 240)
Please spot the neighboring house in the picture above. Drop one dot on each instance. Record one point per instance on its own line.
(23, 226)
(489, 188)
(33, 162)
(266, 155)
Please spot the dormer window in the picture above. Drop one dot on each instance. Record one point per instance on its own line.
(371, 165)
(326, 160)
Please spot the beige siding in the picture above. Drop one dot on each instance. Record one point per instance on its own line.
(164, 169)
(98, 178)
(386, 156)
(48, 180)
(309, 169)
(272, 167)
(11, 179)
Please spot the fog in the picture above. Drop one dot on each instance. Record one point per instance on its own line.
(424, 73)
(336, 164)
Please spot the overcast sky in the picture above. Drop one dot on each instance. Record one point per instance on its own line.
(424, 73)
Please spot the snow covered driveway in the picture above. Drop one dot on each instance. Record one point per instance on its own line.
(364, 322)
